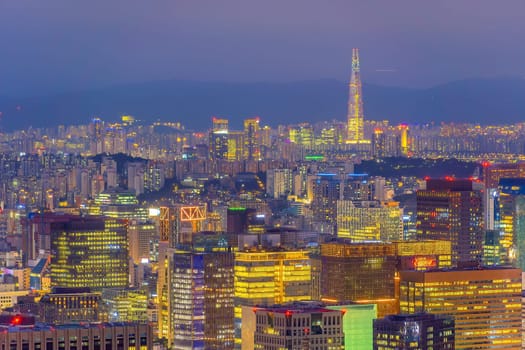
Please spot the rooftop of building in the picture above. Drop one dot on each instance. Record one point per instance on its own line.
(414, 317)
(27, 323)
(290, 311)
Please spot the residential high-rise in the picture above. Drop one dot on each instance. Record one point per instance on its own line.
(416, 331)
(378, 143)
(452, 210)
(269, 278)
(403, 139)
(279, 182)
(236, 145)
(355, 104)
(485, 303)
(90, 252)
(218, 140)
(252, 146)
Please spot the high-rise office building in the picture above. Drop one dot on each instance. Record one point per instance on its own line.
(126, 305)
(362, 272)
(493, 251)
(510, 221)
(423, 255)
(118, 203)
(378, 143)
(70, 305)
(298, 328)
(140, 237)
(355, 116)
(89, 252)
(357, 324)
(485, 303)
(22, 332)
(236, 145)
(416, 331)
(368, 272)
(326, 192)
(369, 221)
(202, 312)
(492, 173)
(269, 278)
(452, 210)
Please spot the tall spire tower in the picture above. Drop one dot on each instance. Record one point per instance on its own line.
(355, 104)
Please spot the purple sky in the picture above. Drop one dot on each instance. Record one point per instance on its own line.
(64, 44)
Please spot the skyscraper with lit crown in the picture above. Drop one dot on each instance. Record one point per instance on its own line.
(355, 104)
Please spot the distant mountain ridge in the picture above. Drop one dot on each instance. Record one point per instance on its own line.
(485, 101)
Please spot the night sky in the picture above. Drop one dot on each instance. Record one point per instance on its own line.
(60, 45)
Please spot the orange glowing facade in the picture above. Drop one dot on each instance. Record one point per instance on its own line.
(452, 210)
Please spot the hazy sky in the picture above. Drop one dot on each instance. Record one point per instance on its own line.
(47, 45)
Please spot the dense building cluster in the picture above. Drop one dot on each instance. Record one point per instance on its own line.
(129, 236)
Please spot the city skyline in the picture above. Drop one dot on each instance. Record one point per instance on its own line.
(242, 175)
(59, 47)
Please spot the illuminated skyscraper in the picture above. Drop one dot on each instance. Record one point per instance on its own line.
(202, 298)
(236, 145)
(485, 303)
(140, 236)
(403, 140)
(369, 221)
(268, 278)
(510, 221)
(355, 104)
(89, 252)
(360, 272)
(452, 210)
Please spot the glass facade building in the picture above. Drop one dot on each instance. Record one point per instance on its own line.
(269, 278)
(485, 303)
(89, 252)
(452, 210)
(418, 332)
(201, 299)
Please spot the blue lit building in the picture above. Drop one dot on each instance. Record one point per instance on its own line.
(202, 297)
(511, 220)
